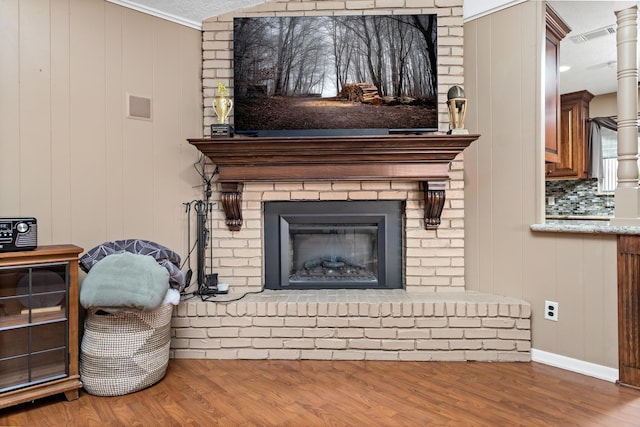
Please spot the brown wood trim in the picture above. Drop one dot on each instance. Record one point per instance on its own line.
(556, 30)
(231, 199)
(335, 172)
(423, 158)
(333, 150)
(41, 254)
(434, 198)
(68, 386)
(629, 310)
(558, 27)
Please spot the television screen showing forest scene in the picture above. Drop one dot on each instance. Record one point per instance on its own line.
(344, 74)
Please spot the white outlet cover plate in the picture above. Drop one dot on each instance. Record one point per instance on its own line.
(551, 306)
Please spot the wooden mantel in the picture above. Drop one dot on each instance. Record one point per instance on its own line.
(424, 158)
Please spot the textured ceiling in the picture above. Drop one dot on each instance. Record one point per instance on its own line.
(187, 12)
(593, 63)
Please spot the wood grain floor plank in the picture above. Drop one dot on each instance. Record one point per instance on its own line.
(347, 393)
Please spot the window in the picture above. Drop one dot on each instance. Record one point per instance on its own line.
(607, 183)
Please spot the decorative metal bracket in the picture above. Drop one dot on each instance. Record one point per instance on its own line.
(231, 199)
(434, 197)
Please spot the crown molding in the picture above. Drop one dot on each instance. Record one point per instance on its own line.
(475, 10)
(158, 13)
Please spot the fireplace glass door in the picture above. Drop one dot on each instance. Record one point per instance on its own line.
(333, 245)
(333, 253)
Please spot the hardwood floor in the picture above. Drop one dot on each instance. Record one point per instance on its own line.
(347, 393)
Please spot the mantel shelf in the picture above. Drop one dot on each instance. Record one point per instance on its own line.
(424, 157)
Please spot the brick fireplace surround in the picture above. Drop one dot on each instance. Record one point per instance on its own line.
(432, 318)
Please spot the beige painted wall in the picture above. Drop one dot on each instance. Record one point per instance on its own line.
(605, 105)
(504, 181)
(68, 154)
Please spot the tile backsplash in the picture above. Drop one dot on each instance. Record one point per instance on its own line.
(577, 197)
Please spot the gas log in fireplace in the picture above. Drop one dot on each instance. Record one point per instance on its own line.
(333, 244)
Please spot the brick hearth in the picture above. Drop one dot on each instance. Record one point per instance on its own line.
(355, 325)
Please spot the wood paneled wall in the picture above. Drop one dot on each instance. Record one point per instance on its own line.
(504, 195)
(69, 156)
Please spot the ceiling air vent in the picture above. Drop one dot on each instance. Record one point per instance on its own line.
(594, 34)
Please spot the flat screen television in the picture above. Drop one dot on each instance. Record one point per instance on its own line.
(335, 75)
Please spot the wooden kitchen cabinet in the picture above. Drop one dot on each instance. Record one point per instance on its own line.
(628, 310)
(556, 30)
(39, 324)
(574, 133)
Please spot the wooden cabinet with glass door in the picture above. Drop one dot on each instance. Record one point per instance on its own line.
(39, 324)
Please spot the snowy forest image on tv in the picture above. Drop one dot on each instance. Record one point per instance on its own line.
(351, 73)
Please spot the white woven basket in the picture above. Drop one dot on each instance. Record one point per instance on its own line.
(124, 352)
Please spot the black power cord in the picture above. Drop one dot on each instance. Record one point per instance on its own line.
(208, 298)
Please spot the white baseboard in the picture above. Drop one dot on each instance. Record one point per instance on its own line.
(575, 365)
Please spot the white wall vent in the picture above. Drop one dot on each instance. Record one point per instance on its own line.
(138, 107)
(593, 34)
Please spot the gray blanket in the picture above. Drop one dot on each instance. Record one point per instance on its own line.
(163, 255)
(125, 281)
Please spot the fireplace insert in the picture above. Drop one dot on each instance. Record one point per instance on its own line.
(333, 244)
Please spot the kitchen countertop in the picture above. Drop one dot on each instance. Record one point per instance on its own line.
(591, 225)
